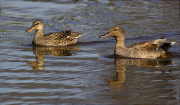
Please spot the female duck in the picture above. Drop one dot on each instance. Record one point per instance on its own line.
(53, 39)
(148, 49)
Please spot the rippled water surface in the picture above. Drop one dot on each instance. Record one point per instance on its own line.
(87, 72)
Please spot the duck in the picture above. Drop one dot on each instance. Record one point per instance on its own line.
(147, 49)
(53, 39)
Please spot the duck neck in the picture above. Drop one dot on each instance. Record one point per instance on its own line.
(120, 43)
(39, 34)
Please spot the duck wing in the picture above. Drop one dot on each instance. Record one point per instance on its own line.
(63, 35)
(149, 44)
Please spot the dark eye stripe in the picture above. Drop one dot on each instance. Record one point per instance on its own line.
(35, 24)
(115, 30)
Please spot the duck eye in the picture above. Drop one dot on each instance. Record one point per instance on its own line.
(35, 24)
(115, 29)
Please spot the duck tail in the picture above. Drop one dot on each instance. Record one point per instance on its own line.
(162, 37)
(77, 34)
(167, 46)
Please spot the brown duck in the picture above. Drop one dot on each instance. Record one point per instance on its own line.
(53, 39)
(147, 49)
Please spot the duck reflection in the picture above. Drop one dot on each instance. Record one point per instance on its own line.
(121, 64)
(40, 51)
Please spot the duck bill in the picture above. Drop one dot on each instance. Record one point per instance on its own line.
(106, 35)
(31, 29)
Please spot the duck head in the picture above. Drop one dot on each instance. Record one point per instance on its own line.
(116, 32)
(36, 25)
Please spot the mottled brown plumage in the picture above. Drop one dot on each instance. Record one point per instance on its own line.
(53, 39)
(148, 49)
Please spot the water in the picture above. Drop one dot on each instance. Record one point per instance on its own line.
(87, 72)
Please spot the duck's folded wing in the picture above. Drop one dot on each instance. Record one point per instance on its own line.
(149, 44)
(58, 35)
(63, 35)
